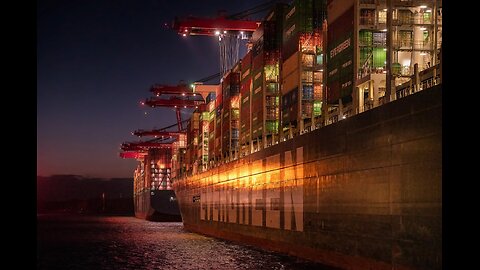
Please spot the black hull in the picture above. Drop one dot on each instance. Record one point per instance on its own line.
(363, 193)
(157, 205)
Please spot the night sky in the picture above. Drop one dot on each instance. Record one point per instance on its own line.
(96, 61)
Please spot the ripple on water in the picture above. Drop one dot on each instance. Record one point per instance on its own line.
(69, 242)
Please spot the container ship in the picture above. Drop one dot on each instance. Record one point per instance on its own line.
(154, 198)
(158, 202)
(324, 141)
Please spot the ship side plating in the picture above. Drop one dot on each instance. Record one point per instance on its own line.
(363, 192)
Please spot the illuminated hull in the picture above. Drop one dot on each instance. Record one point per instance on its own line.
(157, 205)
(363, 193)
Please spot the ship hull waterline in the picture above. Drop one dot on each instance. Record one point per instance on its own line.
(157, 205)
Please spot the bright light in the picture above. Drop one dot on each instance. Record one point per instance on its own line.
(142, 103)
(217, 33)
(241, 32)
(344, 117)
(385, 49)
(428, 10)
(384, 30)
(423, 28)
(192, 85)
(183, 94)
(186, 30)
(321, 70)
(423, 53)
(423, 6)
(175, 106)
(184, 35)
(385, 9)
(184, 106)
(224, 31)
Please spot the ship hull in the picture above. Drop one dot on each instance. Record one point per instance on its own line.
(157, 205)
(363, 193)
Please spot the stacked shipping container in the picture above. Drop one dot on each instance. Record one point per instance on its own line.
(192, 141)
(211, 109)
(266, 54)
(158, 168)
(218, 124)
(203, 138)
(231, 113)
(179, 166)
(245, 104)
(243, 115)
(302, 68)
(198, 140)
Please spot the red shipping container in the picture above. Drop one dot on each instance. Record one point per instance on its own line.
(247, 61)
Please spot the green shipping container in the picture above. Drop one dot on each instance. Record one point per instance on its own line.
(379, 57)
(271, 126)
(365, 38)
(307, 16)
(317, 107)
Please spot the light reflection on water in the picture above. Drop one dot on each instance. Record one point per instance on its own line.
(79, 242)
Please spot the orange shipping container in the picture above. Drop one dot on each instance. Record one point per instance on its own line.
(290, 82)
(290, 64)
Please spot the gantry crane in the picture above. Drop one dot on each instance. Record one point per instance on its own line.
(212, 27)
(157, 133)
(139, 149)
(162, 139)
(178, 97)
(229, 29)
(133, 154)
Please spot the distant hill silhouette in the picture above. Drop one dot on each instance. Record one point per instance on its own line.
(79, 194)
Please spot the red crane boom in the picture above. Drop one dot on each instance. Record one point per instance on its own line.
(174, 101)
(157, 133)
(211, 27)
(132, 154)
(160, 89)
(137, 146)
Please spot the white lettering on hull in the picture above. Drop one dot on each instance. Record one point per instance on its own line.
(273, 192)
(253, 195)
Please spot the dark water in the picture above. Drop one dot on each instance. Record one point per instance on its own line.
(78, 242)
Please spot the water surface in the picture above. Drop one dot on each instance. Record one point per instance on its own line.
(81, 242)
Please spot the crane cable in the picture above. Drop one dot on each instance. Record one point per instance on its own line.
(229, 44)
